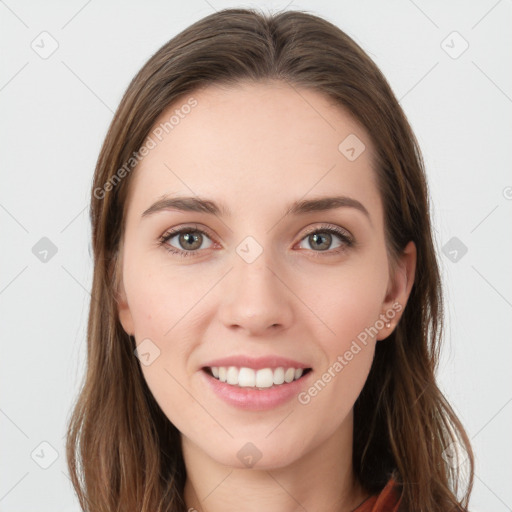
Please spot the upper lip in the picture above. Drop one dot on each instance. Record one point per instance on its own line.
(257, 363)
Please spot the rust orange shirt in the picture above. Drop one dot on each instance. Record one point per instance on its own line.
(387, 501)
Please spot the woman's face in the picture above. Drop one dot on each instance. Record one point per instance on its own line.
(257, 280)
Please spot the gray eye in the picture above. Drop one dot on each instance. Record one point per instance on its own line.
(190, 240)
(320, 241)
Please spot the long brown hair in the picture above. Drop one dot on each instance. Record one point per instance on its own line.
(123, 452)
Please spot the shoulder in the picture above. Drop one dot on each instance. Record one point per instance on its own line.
(388, 500)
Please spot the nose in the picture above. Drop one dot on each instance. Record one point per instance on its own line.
(255, 298)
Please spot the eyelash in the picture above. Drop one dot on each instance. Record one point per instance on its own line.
(328, 228)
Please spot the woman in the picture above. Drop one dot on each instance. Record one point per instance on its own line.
(267, 310)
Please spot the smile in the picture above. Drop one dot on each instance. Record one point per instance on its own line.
(263, 378)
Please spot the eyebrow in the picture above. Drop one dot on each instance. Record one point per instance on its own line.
(300, 207)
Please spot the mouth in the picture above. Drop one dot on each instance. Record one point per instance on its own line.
(260, 379)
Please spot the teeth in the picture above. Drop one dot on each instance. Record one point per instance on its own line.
(264, 378)
(250, 378)
(278, 375)
(232, 375)
(246, 378)
(289, 375)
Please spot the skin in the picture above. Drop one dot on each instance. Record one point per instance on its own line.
(257, 148)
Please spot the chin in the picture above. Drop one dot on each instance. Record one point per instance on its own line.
(260, 453)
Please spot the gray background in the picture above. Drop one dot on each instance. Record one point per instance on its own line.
(55, 110)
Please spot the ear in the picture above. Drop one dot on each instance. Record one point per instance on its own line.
(123, 308)
(399, 289)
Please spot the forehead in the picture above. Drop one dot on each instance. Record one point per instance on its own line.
(256, 144)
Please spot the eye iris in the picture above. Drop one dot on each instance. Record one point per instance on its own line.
(188, 240)
(324, 240)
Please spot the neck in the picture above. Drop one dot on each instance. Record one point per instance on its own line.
(320, 480)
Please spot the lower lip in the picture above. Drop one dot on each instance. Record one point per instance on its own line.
(255, 399)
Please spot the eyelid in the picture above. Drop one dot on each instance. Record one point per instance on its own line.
(327, 226)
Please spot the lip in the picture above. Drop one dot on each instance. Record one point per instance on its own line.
(256, 363)
(251, 399)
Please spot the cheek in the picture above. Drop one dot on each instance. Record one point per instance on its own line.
(160, 295)
(160, 316)
(347, 300)
(349, 304)
(163, 300)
